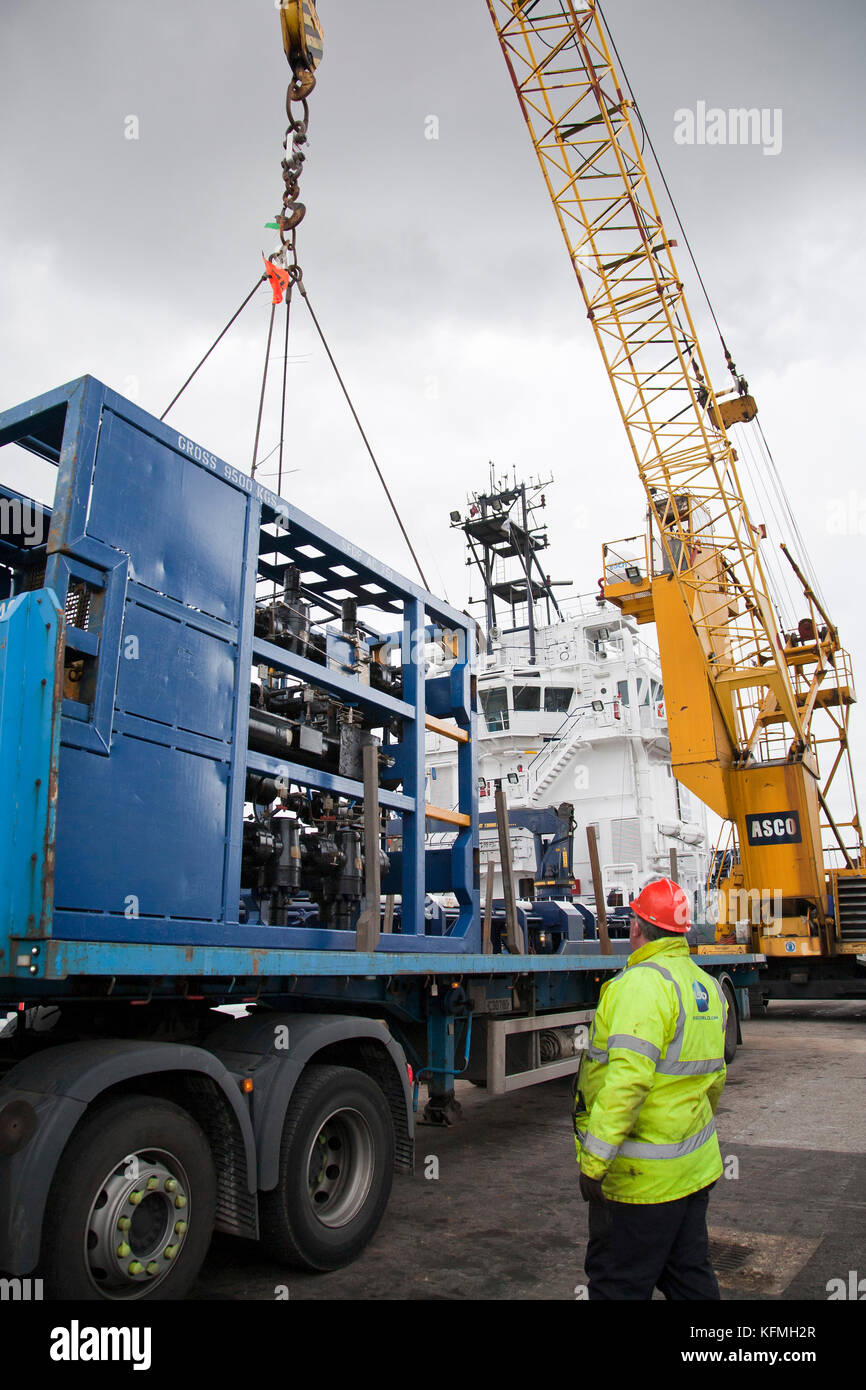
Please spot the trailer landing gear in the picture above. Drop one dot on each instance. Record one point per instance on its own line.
(442, 1110)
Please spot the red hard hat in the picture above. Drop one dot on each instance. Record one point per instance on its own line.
(665, 905)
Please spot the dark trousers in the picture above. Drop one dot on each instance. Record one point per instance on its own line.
(634, 1249)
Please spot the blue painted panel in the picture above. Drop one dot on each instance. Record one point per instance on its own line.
(30, 638)
(174, 674)
(171, 736)
(182, 527)
(148, 822)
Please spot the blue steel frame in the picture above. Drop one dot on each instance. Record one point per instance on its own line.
(169, 545)
(31, 646)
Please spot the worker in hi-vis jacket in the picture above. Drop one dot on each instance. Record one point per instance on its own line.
(648, 1088)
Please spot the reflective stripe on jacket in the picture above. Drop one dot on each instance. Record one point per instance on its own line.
(651, 1078)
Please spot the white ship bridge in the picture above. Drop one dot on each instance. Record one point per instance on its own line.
(571, 713)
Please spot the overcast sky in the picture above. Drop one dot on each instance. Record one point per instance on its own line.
(436, 266)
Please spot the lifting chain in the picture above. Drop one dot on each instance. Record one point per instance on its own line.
(302, 40)
(294, 154)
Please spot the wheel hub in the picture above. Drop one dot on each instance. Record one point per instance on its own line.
(340, 1168)
(138, 1224)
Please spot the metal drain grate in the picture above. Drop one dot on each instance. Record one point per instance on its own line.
(726, 1256)
(756, 1261)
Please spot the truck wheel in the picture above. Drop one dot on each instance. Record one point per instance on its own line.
(731, 1025)
(336, 1165)
(132, 1204)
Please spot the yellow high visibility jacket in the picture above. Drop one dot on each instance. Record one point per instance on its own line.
(651, 1079)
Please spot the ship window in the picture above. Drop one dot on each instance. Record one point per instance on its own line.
(527, 697)
(494, 703)
(622, 691)
(557, 699)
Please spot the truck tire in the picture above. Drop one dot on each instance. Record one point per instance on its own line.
(336, 1166)
(132, 1204)
(731, 1038)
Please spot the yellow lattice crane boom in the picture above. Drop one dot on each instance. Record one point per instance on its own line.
(741, 696)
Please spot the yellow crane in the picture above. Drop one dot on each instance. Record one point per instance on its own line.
(758, 718)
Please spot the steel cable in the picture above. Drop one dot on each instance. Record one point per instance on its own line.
(212, 346)
(369, 447)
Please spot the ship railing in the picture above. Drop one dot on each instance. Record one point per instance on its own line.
(554, 744)
(643, 649)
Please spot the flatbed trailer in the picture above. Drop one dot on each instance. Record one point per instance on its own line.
(219, 1017)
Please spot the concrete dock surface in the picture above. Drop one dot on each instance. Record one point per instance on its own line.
(494, 1211)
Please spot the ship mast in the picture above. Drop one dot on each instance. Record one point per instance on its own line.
(504, 542)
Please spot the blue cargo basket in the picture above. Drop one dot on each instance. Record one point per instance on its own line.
(124, 727)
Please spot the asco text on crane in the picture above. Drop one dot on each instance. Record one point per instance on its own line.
(777, 828)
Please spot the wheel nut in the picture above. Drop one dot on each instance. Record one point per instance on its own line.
(170, 1251)
(180, 1228)
(136, 1267)
(171, 1184)
(153, 1267)
(152, 1183)
(135, 1198)
(180, 1202)
(123, 1250)
(124, 1223)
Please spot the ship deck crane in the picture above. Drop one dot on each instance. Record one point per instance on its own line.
(744, 698)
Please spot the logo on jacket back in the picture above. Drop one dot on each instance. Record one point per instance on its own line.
(702, 997)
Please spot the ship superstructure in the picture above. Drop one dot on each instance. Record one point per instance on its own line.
(572, 722)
